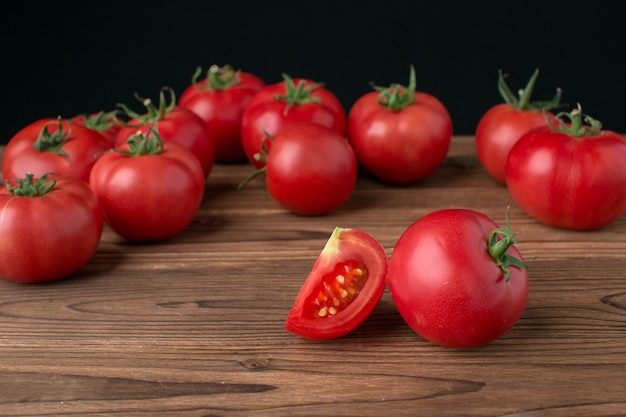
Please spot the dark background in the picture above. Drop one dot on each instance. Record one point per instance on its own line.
(69, 58)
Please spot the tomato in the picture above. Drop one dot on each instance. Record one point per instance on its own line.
(310, 169)
(105, 123)
(400, 136)
(53, 146)
(289, 101)
(457, 279)
(49, 229)
(149, 189)
(503, 124)
(344, 286)
(220, 100)
(570, 176)
(174, 124)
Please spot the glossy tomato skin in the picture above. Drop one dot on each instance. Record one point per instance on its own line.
(311, 169)
(499, 129)
(569, 182)
(447, 287)
(182, 126)
(75, 157)
(222, 110)
(344, 286)
(48, 237)
(400, 147)
(268, 114)
(149, 198)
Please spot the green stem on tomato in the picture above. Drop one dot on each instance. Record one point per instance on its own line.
(498, 247)
(27, 187)
(53, 142)
(145, 143)
(153, 113)
(396, 96)
(576, 126)
(523, 101)
(297, 94)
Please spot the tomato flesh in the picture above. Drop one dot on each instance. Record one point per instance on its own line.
(342, 289)
(337, 289)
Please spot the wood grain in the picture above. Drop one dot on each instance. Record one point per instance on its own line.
(194, 326)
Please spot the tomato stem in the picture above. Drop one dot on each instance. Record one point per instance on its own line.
(498, 248)
(576, 126)
(148, 143)
(26, 187)
(153, 113)
(297, 94)
(396, 96)
(53, 142)
(522, 100)
(218, 78)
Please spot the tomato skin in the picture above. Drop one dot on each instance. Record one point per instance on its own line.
(400, 147)
(81, 149)
(345, 246)
(222, 110)
(182, 126)
(447, 287)
(49, 237)
(499, 129)
(311, 169)
(266, 113)
(149, 198)
(569, 182)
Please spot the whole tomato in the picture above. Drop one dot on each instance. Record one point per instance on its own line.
(49, 229)
(106, 123)
(53, 146)
(503, 124)
(344, 286)
(400, 136)
(149, 189)
(310, 169)
(174, 124)
(220, 100)
(570, 176)
(289, 101)
(457, 279)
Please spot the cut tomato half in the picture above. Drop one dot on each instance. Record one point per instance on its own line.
(343, 288)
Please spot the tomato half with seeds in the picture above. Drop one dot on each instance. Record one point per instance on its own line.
(343, 288)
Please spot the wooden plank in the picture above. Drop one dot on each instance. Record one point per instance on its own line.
(194, 326)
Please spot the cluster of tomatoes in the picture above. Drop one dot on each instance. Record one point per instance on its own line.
(143, 175)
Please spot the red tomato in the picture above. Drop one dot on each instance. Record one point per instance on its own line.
(503, 124)
(572, 177)
(49, 229)
(311, 169)
(400, 136)
(342, 289)
(220, 100)
(456, 278)
(105, 123)
(149, 189)
(53, 146)
(289, 101)
(174, 124)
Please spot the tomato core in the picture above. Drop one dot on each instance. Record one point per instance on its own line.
(337, 289)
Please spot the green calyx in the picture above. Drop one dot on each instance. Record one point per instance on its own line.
(524, 95)
(498, 249)
(153, 113)
(218, 78)
(262, 156)
(27, 187)
(148, 143)
(576, 126)
(53, 142)
(101, 121)
(396, 96)
(297, 94)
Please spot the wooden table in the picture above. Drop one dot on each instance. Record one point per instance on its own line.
(194, 326)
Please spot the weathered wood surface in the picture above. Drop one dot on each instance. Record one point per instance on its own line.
(194, 326)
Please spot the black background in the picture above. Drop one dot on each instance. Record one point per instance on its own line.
(69, 58)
